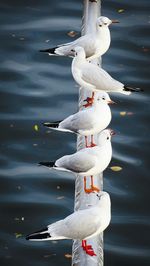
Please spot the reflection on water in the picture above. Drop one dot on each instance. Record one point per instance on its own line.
(36, 88)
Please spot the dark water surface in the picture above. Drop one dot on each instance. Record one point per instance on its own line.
(36, 88)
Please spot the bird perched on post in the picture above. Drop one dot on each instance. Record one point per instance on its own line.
(88, 161)
(89, 121)
(94, 78)
(95, 44)
(81, 225)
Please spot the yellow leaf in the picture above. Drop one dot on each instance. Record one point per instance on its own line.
(123, 113)
(68, 256)
(120, 10)
(36, 128)
(116, 168)
(18, 235)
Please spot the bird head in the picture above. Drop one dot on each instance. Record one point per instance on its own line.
(105, 22)
(104, 197)
(103, 97)
(78, 51)
(105, 136)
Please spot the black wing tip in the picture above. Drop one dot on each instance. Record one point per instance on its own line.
(49, 51)
(126, 88)
(47, 164)
(51, 124)
(38, 236)
(44, 50)
(41, 234)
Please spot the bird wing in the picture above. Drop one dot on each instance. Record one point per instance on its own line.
(94, 75)
(78, 162)
(83, 120)
(98, 77)
(78, 225)
(87, 42)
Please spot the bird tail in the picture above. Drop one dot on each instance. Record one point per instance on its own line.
(47, 164)
(50, 51)
(39, 235)
(130, 89)
(52, 125)
(51, 232)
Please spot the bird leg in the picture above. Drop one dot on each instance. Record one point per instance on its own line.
(92, 142)
(87, 190)
(89, 100)
(92, 189)
(88, 248)
(86, 142)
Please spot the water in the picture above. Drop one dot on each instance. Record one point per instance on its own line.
(36, 88)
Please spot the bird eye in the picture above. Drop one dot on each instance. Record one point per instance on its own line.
(103, 98)
(72, 50)
(105, 23)
(100, 25)
(107, 137)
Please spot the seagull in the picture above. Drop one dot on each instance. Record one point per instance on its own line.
(88, 121)
(92, 77)
(95, 44)
(80, 225)
(88, 161)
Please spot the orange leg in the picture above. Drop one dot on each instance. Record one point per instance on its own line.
(88, 248)
(87, 190)
(92, 141)
(89, 100)
(92, 189)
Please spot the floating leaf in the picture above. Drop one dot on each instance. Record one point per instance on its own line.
(17, 219)
(68, 256)
(121, 10)
(145, 50)
(123, 113)
(130, 113)
(36, 128)
(18, 235)
(61, 197)
(116, 168)
(72, 33)
(35, 144)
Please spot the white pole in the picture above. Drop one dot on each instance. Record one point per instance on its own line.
(79, 258)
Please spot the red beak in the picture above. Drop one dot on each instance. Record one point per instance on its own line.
(114, 21)
(112, 132)
(111, 102)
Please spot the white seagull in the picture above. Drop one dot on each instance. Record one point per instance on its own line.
(80, 225)
(89, 121)
(88, 161)
(95, 44)
(94, 78)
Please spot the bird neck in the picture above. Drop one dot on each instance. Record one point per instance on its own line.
(100, 105)
(105, 145)
(103, 33)
(79, 59)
